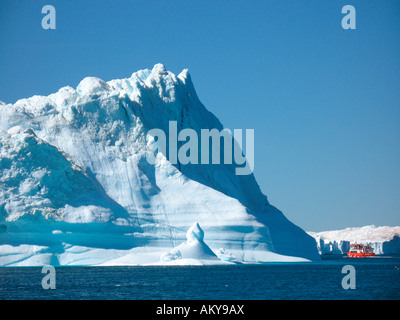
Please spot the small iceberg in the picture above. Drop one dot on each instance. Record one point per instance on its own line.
(194, 251)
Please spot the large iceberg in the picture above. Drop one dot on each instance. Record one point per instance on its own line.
(383, 240)
(76, 187)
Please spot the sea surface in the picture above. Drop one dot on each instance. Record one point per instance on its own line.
(375, 278)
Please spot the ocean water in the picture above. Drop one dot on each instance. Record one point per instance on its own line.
(375, 278)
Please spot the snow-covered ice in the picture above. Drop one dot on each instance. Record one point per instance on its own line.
(76, 188)
(383, 240)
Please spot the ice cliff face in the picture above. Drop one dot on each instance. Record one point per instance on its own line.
(76, 188)
(383, 240)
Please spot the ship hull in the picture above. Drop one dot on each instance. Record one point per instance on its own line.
(360, 254)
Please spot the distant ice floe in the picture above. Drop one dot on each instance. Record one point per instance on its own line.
(383, 240)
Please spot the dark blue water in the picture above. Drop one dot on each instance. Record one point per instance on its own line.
(376, 278)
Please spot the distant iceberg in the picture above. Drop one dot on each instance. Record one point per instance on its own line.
(383, 240)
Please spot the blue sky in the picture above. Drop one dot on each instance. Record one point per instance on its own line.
(324, 102)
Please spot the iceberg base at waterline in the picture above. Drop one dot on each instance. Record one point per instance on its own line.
(193, 251)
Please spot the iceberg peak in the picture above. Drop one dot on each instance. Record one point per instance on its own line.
(195, 233)
(30, 132)
(184, 75)
(92, 85)
(159, 68)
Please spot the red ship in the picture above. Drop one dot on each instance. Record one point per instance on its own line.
(359, 251)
